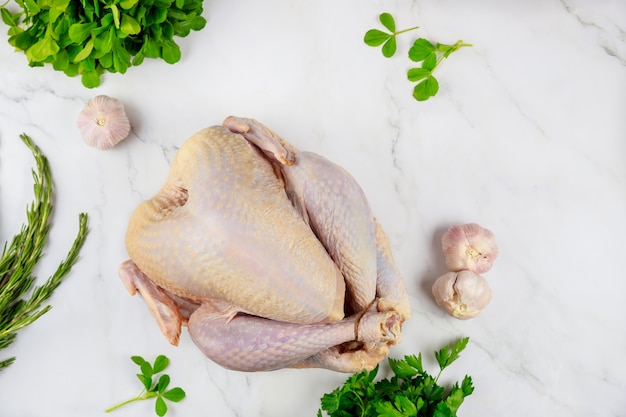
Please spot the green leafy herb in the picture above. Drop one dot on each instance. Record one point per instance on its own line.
(430, 56)
(154, 385)
(410, 392)
(19, 306)
(376, 37)
(90, 37)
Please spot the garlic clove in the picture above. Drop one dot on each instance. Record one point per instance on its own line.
(103, 122)
(469, 246)
(462, 294)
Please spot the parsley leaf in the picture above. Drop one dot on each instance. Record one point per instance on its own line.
(409, 392)
(448, 354)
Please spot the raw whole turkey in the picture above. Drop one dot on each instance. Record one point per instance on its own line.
(269, 255)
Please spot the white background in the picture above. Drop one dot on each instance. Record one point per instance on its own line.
(526, 137)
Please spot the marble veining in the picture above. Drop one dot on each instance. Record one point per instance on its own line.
(526, 137)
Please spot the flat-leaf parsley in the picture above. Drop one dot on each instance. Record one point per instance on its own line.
(410, 392)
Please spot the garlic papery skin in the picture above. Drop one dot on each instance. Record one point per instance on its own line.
(469, 246)
(462, 294)
(103, 122)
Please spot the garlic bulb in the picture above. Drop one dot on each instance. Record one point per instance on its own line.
(103, 122)
(469, 246)
(462, 294)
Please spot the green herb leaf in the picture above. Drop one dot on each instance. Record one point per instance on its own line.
(402, 368)
(59, 5)
(405, 405)
(170, 52)
(455, 398)
(415, 362)
(121, 59)
(442, 410)
(104, 43)
(128, 4)
(386, 409)
(160, 407)
(116, 15)
(78, 32)
(175, 394)
(8, 18)
(426, 89)
(450, 353)
(151, 49)
(42, 49)
(420, 50)
(31, 8)
(85, 52)
(375, 37)
(146, 369)
(466, 385)
(389, 47)
(160, 363)
(416, 74)
(430, 62)
(129, 25)
(388, 21)
(137, 360)
(62, 61)
(162, 384)
(146, 381)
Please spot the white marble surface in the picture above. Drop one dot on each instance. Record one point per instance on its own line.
(526, 137)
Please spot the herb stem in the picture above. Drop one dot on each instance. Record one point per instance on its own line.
(143, 395)
(406, 30)
(458, 45)
(438, 375)
(123, 403)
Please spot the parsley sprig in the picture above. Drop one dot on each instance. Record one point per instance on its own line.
(410, 392)
(90, 37)
(424, 51)
(19, 306)
(154, 387)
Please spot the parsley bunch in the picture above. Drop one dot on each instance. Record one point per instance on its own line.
(89, 37)
(410, 392)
